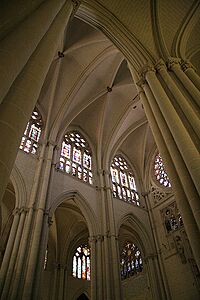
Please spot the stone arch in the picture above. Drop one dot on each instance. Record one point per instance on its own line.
(98, 16)
(139, 231)
(81, 203)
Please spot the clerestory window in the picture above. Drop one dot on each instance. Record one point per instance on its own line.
(76, 157)
(81, 262)
(130, 260)
(32, 133)
(123, 181)
(160, 172)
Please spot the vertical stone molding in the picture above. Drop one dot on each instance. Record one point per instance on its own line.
(183, 103)
(184, 143)
(9, 248)
(190, 71)
(32, 30)
(171, 156)
(15, 109)
(174, 64)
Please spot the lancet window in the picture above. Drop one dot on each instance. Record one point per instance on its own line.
(32, 133)
(123, 181)
(81, 262)
(130, 260)
(76, 157)
(160, 172)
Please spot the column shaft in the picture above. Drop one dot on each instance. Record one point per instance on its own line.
(11, 267)
(184, 143)
(14, 52)
(163, 144)
(9, 248)
(193, 76)
(183, 103)
(21, 99)
(187, 83)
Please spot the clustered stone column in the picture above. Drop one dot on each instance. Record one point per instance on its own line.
(170, 99)
(111, 282)
(21, 85)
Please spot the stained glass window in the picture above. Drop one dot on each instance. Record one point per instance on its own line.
(81, 262)
(30, 139)
(123, 181)
(160, 172)
(130, 260)
(76, 157)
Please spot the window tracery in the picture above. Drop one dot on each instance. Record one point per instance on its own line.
(32, 133)
(76, 157)
(160, 172)
(123, 181)
(130, 260)
(81, 262)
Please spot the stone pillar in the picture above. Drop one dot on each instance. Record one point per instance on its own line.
(113, 240)
(15, 249)
(190, 71)
(110, 253)
(14, 52)
(19, 102)
(9, 248)
(176, 127)
(154, 288)
(184, 105)
(106, 263)
(93, 267)
(171, 157)
(99, 273)
(174, 65)
(39, 217)
(61, 276)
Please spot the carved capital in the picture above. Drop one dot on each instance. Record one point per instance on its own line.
(76, 4)
(160, 65)
(145, 69)
(172, 62)
(99, 237)
(16, 211)
(141, 83)
(92, 239)
(187, 65)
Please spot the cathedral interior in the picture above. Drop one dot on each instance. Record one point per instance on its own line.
(99, 150)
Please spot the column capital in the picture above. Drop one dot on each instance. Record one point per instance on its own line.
(172, 62)
(76, 4)
(92, 239)
(160, 65)
(187, 65)
(141, 82)
(145, 69)
(16, 211)
(99, 237)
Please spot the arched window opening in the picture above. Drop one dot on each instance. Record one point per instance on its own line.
(130, 261)
(160, 172)
(30, 139)
(123, 181)
(81, 262)
(76, 157)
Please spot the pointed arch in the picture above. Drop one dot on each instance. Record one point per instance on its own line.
(82, 204)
